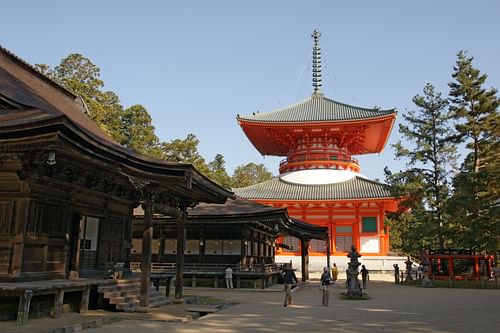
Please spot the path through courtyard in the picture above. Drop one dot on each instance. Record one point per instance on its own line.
(392, 308)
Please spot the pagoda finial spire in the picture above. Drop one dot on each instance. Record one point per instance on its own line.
(316, 62)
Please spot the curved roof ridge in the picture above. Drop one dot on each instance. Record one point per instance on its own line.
(358, 107)
(317, 108)
(33, 70)
(277, 189)
(256, 185)
(281, 108)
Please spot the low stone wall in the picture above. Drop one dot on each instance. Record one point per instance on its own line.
(375, 264)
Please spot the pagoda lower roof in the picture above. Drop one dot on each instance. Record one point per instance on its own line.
(317, 108)
(352, 189)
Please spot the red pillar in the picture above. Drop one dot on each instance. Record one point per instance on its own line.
(476, 267)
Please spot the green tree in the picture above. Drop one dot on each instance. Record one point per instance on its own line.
(250, 174)
(475, 109)
(475, 207)
(430, 158)
(218, 171)
(185, 151)
(138, 132)
(476, 200)
(131, 127)
(45, 70)
(80, 76)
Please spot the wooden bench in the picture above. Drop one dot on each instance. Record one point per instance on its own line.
(156, 278)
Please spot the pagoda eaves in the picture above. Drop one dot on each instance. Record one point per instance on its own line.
(358, 130)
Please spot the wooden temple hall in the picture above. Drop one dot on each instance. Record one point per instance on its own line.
(240, 234)
(67, 193)
(67, 199)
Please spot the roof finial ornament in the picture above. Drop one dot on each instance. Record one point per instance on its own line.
(316, 62)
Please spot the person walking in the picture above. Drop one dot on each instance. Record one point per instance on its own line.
(324, 285)
(335, 273)
(364, 275)
(289, 279)
(229, 277)
(396, 273)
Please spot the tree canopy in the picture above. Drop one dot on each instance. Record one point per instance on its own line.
(475, 204)
(450, 207)
(429, 161)
(250, 174)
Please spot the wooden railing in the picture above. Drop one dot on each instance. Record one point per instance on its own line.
(135, 266)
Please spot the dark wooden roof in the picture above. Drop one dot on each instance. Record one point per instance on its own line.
(233, 208)
(242, 211)
(32, 105)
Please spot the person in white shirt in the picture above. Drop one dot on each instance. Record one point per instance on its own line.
(229, 278)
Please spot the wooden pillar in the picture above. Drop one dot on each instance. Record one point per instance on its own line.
(20, 216)
(476, 267)
(147, 238)
(74, 247)
(450, 267)
(201, 253)
(58, 304)
(179, 262)
(161, 239)
(84, 302)
(328, 251)
(357, 227)
(304, 251)
(23, 309)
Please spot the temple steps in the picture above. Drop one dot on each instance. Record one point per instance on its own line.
(124, 295)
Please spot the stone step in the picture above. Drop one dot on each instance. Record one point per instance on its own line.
(163, 301)
(128, 281)
(125, 295)
(112, 294)
(115, 287)
(128, 306)
(123, 299)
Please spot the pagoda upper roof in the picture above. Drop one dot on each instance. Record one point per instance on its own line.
(317, 108)
(352, 189)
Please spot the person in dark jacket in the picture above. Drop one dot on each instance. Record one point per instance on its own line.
(364, 275)
(289, 279)
(396, 273)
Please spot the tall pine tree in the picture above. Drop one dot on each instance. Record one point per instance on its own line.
(475, 205)
(430, 154)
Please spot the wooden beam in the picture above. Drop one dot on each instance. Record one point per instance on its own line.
(328, 251)
(147, 238)
(179, 263)
(304, 251)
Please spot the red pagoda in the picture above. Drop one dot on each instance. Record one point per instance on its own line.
(319, 180)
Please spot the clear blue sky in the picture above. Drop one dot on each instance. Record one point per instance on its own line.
(196, 64)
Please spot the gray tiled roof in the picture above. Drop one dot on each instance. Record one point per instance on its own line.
(355, 188)
(317, 108)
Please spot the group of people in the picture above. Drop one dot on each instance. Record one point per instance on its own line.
(327, 279)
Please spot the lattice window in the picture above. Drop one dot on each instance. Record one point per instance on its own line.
(369, 224)
(343, 243)
(293, 244)
(318, 245)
